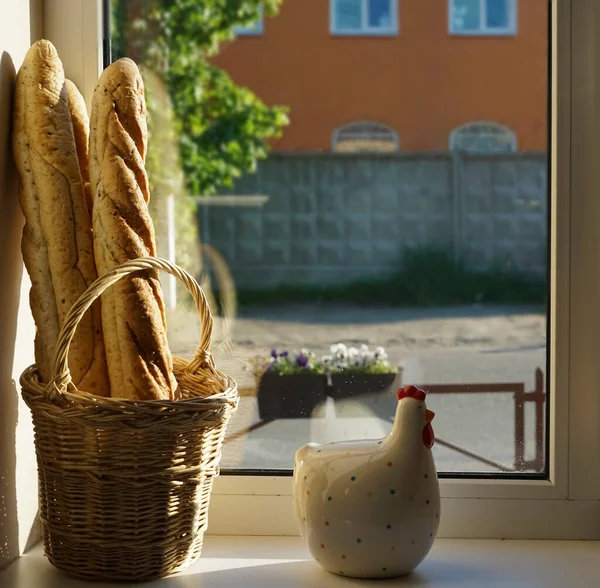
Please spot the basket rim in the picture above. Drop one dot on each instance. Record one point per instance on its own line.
(29, 381)
(81, 400)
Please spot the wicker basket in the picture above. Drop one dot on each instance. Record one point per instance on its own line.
(124, 485)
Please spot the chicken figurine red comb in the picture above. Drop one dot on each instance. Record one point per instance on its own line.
(371, 508)
(411, 392)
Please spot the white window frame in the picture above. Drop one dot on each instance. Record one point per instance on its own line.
(257, 31)
(484, 30)
(335, 136)
(366, 30)
(456, 132)
(567, 505)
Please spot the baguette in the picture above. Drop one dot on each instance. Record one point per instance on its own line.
(57, 239)
(81, 131)
(140, 365)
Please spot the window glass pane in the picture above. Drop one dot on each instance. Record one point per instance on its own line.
(369, 216)
(380, 14)
(497, 14)
(348, 14)
(253, 29)
(466, 15)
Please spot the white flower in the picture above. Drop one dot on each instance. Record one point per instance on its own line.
(352, 352)
(327, 359)
(364, 348)
(380, 353)
(339, 350)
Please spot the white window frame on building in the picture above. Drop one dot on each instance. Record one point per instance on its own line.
(253, 30)
(365, 137)
(473, 136)
(365, 29)
(484, 29)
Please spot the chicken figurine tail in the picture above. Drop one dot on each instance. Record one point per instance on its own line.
(371, 509)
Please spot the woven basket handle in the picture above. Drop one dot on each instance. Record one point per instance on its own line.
(61, 369)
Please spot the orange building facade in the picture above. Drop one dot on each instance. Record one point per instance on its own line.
(423, 81)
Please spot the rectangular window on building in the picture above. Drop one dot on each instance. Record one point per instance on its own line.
(483, 17)
(359, 17)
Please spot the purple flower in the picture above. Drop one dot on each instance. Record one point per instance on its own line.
(302, 360)
(274, 353)
(283, 354)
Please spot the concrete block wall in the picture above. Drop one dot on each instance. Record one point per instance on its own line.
(334, 218)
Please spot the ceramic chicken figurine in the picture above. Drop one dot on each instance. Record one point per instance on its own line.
(371, 509)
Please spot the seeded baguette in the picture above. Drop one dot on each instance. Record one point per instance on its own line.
(140, 365)
(57, 238)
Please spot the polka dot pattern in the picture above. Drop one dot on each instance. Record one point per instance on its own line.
(388, 526)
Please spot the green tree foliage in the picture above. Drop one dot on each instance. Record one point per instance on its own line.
(223, 129)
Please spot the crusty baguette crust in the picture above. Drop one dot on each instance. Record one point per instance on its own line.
(81, 131)
(140, 365)
(57, 239)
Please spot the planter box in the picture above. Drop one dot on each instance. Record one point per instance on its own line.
(290, 397)
(356, 385)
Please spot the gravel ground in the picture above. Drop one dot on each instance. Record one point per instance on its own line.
(442, 345)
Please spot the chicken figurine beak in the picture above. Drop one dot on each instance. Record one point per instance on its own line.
(429, 416)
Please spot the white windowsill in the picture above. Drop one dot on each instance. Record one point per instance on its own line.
(274, 562)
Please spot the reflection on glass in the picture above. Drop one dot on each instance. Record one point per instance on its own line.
(380, 13)
(497, 13)
(466, 15)
(348, 14)
(361, 214)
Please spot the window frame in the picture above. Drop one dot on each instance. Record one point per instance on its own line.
(335, 136)
(567, 504)
(457, 131)
(484, 30)
(366, 31)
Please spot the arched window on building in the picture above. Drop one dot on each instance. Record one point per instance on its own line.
(365, 136)
(483, 137)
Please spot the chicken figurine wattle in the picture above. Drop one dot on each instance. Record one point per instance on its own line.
(371, 509)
